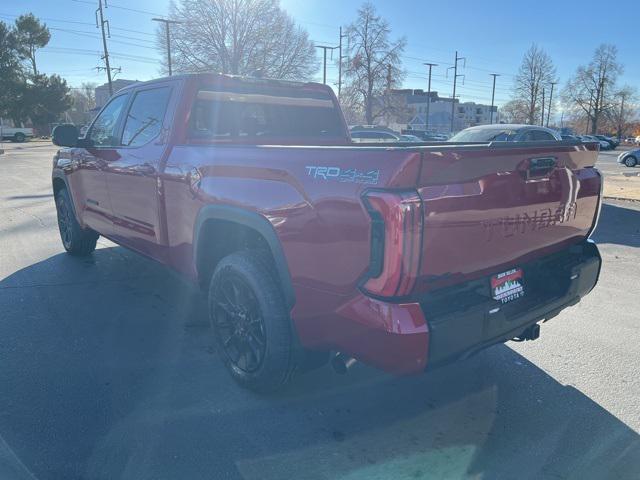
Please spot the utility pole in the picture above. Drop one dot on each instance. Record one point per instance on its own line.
(340, 64)
(324, 69)
(166, 30)
(493, 95)
(100, 23)
(542, 119)
(455, 80)
(426, 117)
(623, 97)
(550, 100)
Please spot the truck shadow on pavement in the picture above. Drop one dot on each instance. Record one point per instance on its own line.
(618, 225)
(108, 372)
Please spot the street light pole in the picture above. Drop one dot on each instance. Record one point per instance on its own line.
(426, 117)
(166, 29)
(493, 94)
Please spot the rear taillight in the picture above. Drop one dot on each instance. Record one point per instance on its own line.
(396, 237)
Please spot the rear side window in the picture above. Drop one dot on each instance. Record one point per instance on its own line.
(144, 120)
(541, 135)
(260, 114)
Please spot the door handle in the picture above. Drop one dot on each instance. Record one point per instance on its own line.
(145, 169)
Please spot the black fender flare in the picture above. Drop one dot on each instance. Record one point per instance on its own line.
(260, 224)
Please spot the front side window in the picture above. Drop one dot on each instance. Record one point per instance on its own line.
(144, 120)
(103, 132)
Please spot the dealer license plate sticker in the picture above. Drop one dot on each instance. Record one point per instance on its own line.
(508, 286)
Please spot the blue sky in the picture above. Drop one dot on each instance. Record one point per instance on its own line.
(491, 35)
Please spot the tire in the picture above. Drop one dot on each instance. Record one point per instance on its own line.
(630, 161)
(250, 322)
(76, 240)
(19, 137)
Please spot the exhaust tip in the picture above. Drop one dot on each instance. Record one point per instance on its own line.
(341, 363)
(530, 333)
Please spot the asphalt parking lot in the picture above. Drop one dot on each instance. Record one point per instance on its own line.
(107, 371)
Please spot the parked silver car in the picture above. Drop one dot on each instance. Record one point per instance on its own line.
(373, 136)
(630, 158)
(506, 133)
(604, 145)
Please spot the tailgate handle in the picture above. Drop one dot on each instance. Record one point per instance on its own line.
(540, 166)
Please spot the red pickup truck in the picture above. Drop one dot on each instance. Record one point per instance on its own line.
(404, 257)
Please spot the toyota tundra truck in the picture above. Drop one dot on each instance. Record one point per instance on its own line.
(312, 248)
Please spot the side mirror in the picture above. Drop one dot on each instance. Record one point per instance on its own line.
(65, 135)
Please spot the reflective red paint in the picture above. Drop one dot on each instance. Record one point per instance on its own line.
(444, 209)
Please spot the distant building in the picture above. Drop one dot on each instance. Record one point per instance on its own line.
(466, 114)
(102, 92)
(470, 114)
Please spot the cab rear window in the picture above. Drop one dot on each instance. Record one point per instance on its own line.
(263, 115)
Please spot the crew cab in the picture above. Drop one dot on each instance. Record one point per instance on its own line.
(310, 247)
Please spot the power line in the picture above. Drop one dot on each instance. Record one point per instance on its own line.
(97, 35)
(121, 7)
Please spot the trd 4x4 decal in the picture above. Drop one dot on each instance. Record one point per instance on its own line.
(349, 175)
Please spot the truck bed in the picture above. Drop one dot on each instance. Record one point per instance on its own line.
(485, 206)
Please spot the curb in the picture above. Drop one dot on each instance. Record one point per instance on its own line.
(624, 199)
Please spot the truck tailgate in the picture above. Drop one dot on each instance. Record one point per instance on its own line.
(487, 209)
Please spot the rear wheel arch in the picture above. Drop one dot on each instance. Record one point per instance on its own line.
(222, 230)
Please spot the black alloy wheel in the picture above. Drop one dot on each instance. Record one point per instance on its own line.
(239, 324)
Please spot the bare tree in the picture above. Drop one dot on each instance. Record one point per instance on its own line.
(240, 37)
(591, 91)
(625, 112)
(84, 100)
(374, 68)
(535, 75)
(514, 111)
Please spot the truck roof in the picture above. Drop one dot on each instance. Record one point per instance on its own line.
(230, 80)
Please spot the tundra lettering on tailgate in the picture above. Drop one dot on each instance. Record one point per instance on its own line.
(536, 220)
